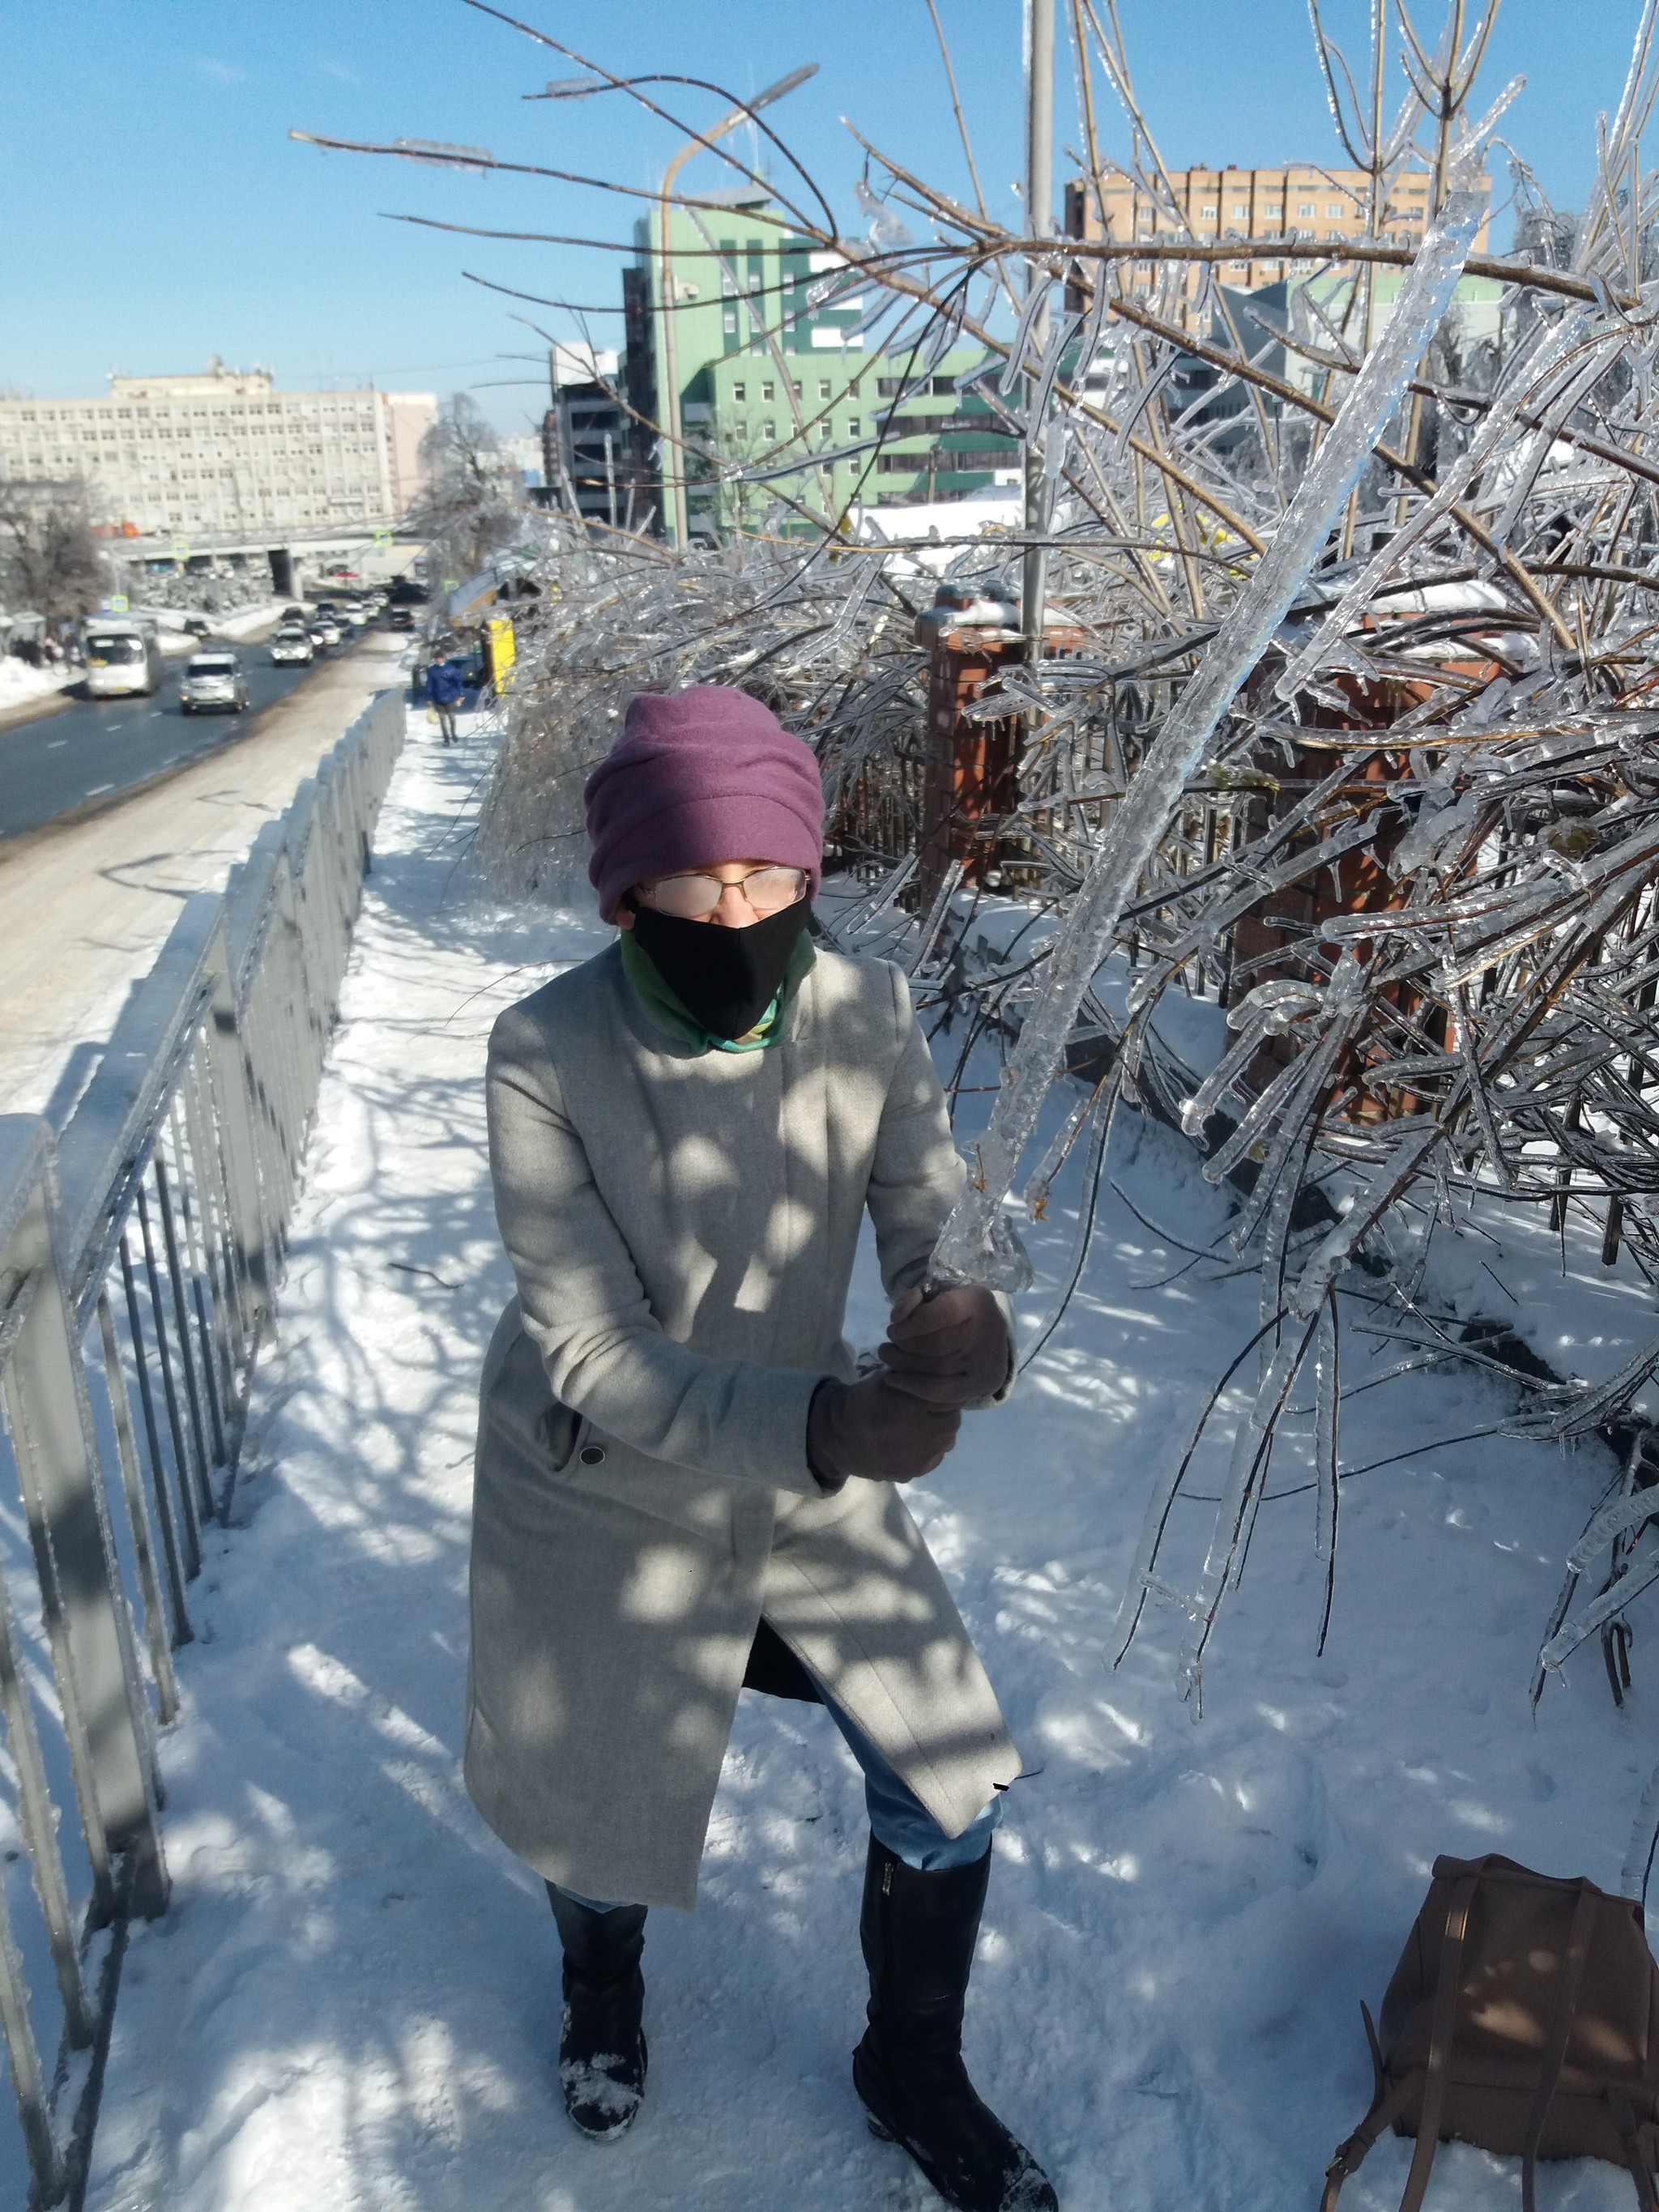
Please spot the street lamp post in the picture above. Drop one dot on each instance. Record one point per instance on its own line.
(1039, 215)
(669, 408)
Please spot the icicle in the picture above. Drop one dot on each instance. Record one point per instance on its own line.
(964, 1250)
(1613, 1600)
(1624, 1513)
(1036, 1197)
(1499, 424)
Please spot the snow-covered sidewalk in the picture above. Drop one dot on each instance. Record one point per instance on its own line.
(353, 2003)
(22, 686)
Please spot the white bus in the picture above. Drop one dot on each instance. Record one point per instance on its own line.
(122, 655)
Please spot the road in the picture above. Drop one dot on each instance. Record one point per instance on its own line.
(86, 902)
(73, 755)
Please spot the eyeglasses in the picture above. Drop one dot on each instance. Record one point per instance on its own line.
(689, 897)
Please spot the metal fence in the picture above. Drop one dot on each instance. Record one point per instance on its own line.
(138, 1259)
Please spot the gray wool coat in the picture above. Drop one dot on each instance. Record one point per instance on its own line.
(682, 1227)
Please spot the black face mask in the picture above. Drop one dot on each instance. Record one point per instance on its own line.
(725, 979)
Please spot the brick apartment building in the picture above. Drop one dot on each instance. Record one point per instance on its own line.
(1301, 200)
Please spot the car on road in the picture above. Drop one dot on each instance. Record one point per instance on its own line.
(214, 682)
(325, 630)
(292, 643)
(292, 615)
(401, 618)
(197, 626)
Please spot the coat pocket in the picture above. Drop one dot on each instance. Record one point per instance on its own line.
(560, 1433)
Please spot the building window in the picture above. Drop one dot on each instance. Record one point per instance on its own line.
(1207, 214)
(769, 432)
(854, 427)
(795, 382)
(1333, 207)
(738, 392)
(946, 385)
(1241, 208)
(1305, 207)
(824, 387)
(767, 392)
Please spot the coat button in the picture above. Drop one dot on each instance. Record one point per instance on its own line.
(592, 1455)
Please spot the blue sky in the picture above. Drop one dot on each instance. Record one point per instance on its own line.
(156, 210)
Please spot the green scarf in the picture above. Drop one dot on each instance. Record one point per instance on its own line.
(666, 1009)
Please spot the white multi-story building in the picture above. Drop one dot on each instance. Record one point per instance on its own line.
(522, 454)
(225, 451)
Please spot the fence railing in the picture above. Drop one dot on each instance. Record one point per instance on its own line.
(139, 1259)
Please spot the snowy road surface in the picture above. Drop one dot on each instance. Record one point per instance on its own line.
(354, 2001)
(81, 751)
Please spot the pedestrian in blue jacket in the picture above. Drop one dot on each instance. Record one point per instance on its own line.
(445, 689)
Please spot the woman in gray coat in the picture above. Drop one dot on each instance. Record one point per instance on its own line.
(684, 1485)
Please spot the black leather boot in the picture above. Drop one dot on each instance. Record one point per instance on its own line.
(918, 1931)
(601, 2055)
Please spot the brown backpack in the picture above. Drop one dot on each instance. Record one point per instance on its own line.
(1523, 2017)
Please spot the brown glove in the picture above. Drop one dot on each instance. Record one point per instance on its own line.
(950, 1350)
(872, 1429)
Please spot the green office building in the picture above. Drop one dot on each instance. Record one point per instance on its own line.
(786, 420)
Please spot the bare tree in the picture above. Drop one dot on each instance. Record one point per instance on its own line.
(469, 507)
(49, 560)
(1416, 852)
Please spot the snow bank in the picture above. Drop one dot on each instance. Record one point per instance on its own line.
(250, 622)
(21, 685)
(355, 2001)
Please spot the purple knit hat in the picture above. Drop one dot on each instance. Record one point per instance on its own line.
(697, 776)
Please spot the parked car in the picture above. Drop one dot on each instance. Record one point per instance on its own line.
(292, 643)
(293, 614)
(214, 682)
(198, 626)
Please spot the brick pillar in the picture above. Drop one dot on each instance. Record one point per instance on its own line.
(970, 770)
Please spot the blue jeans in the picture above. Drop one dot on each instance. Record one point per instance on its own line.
(898, 1818)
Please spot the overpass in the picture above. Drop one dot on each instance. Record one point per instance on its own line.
(386, 548)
